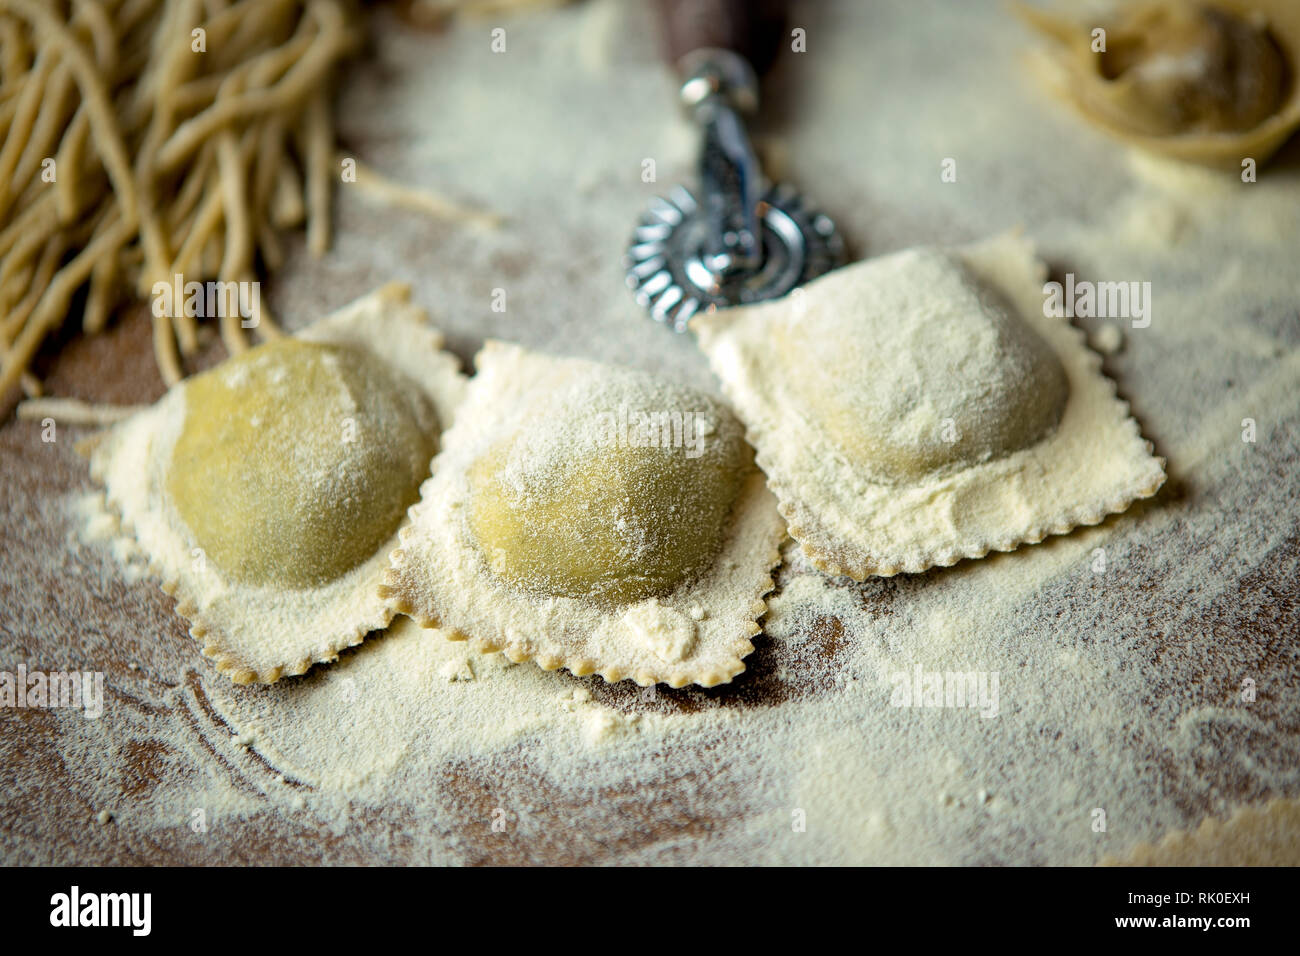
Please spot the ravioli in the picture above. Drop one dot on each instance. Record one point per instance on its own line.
(1212, 83)
(593, 518)
(329, 443)
(919, 408)
(268, 491)
(587, 524)
(959, 354)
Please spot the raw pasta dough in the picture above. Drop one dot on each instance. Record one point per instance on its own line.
(1268, 835)
(1211, 83)
(593, 518)
(268, 491)
(919, 408)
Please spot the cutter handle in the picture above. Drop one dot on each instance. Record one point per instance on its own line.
(752, 28)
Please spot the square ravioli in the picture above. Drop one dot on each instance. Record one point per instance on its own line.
(593, 518)
(1207, 83)
(920, 408)
(268, 491)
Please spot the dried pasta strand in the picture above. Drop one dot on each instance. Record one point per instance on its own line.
(165, 77)
(14, 48)
(49, 123)
(421, 200)
(67, 164)
(71, 411)
(99, 301)
(99, 28)
(29, 103)
(267, 328)
(317, 140)
(191, 191)
(39, 282)
(187, 332)
(287, 207)
(269, 245)
(164, 350)
(53, 306)
(238, 260)
(205, 224)
(24, 250)
(40, 215)
(232, 333)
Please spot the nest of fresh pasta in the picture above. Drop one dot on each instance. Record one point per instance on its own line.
(149, 139)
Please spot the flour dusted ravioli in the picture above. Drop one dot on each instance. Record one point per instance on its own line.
(268, 491)
(592, 518)
(1210, 82)
(917, 409)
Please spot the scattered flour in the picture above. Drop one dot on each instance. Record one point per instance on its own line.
(1122, 650)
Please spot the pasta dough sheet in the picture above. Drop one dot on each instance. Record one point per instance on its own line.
(909, 415)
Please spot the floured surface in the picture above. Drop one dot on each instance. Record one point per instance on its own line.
(1119, 690)
(919, 408)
